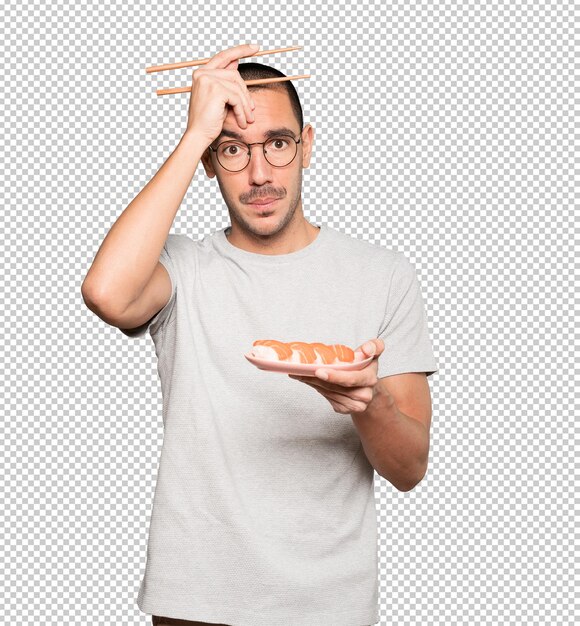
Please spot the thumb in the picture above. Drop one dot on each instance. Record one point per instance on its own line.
(369, 348)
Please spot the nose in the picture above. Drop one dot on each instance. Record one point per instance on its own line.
(259, 170)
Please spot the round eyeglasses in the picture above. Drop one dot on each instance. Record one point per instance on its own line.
(234, 155)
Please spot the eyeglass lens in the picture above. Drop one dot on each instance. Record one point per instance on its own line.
(235, 155)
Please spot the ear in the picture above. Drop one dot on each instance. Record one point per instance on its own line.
(206, 159)
(307, 141)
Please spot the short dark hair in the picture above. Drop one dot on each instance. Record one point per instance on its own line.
(253, 71)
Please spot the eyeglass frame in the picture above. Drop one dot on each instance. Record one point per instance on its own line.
(255, 143)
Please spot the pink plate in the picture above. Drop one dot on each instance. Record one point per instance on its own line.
(308, 369)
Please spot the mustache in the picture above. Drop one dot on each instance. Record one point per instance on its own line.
(263, 195)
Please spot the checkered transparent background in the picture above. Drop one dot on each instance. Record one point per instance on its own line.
(443, 130)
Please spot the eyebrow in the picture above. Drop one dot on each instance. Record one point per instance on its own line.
(282, 130)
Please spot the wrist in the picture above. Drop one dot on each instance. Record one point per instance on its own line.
(194, 143)
(194, 138)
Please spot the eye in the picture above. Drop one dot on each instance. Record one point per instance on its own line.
(278, 143)
(231, 149)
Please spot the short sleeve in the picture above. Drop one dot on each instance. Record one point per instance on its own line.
(160, 318)
(404, 329)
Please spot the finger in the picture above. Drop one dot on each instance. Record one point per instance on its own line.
(327, 393)
(363, 393)
(339, 408)
(225, 57)
(360, 396)
(236, 101)
(250, 104)
(344, 404)
(342, 379)
(239, 86)
(359, 379)
(369, 348)
(373, 347)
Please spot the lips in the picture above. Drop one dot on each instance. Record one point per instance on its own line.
(264, 201)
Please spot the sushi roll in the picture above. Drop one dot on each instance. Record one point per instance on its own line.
(302, 352)
(271, 349)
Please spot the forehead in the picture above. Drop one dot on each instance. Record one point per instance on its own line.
(273, 115)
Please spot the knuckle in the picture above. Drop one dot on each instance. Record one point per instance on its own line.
(362, 396)
(200, 74)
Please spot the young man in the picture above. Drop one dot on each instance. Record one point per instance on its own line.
(264, 508)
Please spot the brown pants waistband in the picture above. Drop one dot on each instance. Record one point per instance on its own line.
(159, 620)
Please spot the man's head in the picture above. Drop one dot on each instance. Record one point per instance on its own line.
(277, 107)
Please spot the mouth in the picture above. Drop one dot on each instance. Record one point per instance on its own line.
(264, 203)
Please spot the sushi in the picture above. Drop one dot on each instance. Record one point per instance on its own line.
(302, 352)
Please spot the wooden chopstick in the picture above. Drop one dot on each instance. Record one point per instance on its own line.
(260, 81)
(176, 66)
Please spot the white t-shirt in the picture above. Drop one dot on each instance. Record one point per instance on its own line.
(264, 510)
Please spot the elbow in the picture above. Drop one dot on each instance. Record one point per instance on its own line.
(407, 486)
(90, 293)
(412, 481)
(94, 303)
(88, 297)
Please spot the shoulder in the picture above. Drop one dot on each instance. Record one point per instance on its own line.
(367, 251)
(178, 241)
(179, 247)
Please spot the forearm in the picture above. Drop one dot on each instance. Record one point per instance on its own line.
(395, 444)
(130, 252)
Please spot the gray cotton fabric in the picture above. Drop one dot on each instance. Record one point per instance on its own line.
(264, 510)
